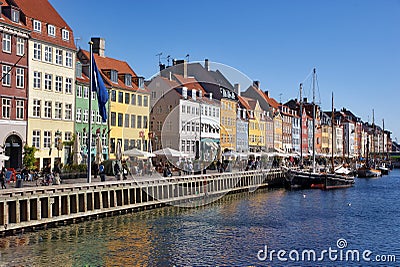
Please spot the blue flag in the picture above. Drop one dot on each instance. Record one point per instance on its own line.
(101, 90)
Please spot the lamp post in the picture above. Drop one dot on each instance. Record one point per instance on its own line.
(58, 143)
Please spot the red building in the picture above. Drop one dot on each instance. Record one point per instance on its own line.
(14, 36)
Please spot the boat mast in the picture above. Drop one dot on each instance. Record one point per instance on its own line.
(333, 128)
(383, 138)
(301, 126)
(313, 118)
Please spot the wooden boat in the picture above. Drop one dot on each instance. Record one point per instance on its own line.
(368, 172)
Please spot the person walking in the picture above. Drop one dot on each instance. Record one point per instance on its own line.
(3, 178)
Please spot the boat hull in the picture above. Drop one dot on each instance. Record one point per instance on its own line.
(368, 173)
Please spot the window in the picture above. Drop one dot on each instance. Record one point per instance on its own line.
(85, 92)
(68, 136)
(36, 108)
(20, 109)
(6, 108)
(93, 95)
(126, 121)
(68, 85)
(120, 120)
(37, 51)
(159, 125)
(58, 110)
(6, 74)
(79, 91)
(85, 115)
(59, 56)
(78, 115)
(20, 77)
(65, 34)
(133, 100)
(145, 101)
(20, 46)
(37, 26)
(139, 122)
(127, 98)
(145, 122)
(47, 109)
(113, 119)
(133, 121)
(51, 30)
(68, 112)
(93, 115)
(84, 139)
(46, 139)
(48, 80)
(114, 76)
(15, 15)
(183, 142)
(120, 97)
(113, 95)
(6, 42)
(139, 100)
(48, 54)
(36, 138)
(59, 81)
(128, 80)
(68, 59)
(98, 117)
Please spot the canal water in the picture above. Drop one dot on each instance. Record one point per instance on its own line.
(237, 230)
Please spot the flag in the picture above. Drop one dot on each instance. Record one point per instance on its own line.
(101, 90)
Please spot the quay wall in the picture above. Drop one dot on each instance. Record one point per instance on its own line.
(45, 206)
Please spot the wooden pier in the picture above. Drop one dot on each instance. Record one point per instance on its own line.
(45, 206)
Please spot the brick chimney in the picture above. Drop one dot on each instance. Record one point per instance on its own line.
(237, 88)
(99, 46)
(206, 64)
(256, 84)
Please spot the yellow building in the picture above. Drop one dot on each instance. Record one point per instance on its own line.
(128, 110)
(228, 124)
(278, 131)
(257, 125)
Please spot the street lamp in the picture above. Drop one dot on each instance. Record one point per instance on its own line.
(58, 144)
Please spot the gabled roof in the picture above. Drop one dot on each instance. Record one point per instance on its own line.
(244, 103)
(190, 83)
(43, 11)
(5, 19)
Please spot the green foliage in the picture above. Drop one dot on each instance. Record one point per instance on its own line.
(29, 157)
(74, 168)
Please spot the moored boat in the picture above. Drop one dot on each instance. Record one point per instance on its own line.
(368, 172)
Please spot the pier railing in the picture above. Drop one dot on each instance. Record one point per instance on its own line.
(31, 207)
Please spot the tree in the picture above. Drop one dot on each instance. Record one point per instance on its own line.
(29, 157)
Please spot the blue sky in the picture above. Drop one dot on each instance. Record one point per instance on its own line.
(354, 44)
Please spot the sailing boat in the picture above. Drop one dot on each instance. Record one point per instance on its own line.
(310, 178)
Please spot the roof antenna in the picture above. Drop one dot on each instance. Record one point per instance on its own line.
(187, 56)
(77, 39)
(168, 59)
(159, 58)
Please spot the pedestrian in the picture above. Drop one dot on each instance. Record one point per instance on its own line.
(117, 170)
(3, 177)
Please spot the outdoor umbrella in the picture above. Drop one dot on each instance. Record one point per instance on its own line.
(169, 152)
(134, 152)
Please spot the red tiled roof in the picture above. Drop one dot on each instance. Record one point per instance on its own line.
(106, 63)
(6, 20)
(243, 101)
(190, 83)
(43, 11)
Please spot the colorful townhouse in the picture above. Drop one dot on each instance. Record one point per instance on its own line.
(242, 125)
(287, 124)
(256, 126)
(129, 101)
(82, 113)
(326, 126)
(51, 102)
(14, 35)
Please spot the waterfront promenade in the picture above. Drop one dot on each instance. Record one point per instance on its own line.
(32, 207)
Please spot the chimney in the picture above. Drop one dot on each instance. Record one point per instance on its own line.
(184, 69)
(99, 46)
(237, 88)
(180, 67)
(162, 67)
(200, 94)
(194, 94)
(256, 84)
(184, 92)
(267, 93)
(210, 94)
(170, 76)
(305, 100)
(206, 64)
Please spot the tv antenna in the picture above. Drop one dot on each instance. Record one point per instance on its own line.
(187, 57)
(159, 58)
(168, 59)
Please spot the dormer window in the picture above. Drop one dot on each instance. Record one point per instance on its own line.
(78, 69)
(15, 15)
(128, 80)
(65, 34)
(114, 76)
(51, 30)
(141, 82)
(37, 26)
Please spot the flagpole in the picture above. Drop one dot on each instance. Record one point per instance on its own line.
(89, 157)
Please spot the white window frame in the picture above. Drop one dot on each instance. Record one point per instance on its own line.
(20, 110)
(48, 53)
(59, 84)
(85, 115)
(37, 26)
(6, 42)
(79, 91)
(51, 30)
(46, 139)
(6, 74)
(37, 51)
(68, 85)
(58, 110)
(36, 108)
(68, 59)
(15, 15)
(59, 56)
(48, 109)
(36, 138)
(86, 92)
(20, 77)
(37, 79)
(20, 46)
(65, 34)
(78, 115)
(68, 112)
(6, 108)
(48, 81)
